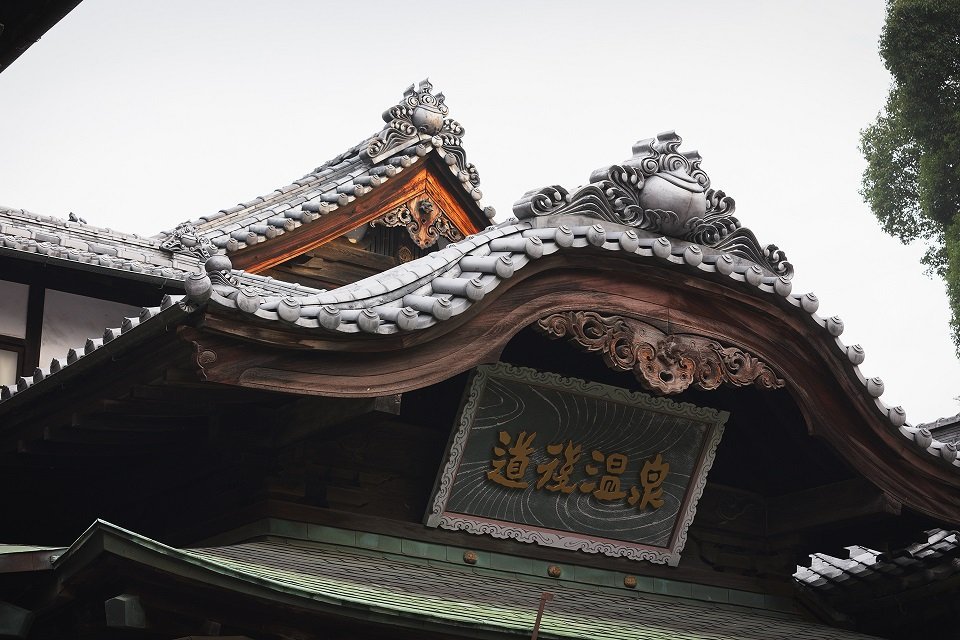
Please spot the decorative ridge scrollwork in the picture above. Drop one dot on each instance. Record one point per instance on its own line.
(660, 190)
(744, 243)
(420, 115)
(666, 363)
(186, 240)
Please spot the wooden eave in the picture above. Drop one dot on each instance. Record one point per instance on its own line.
(430, 178)
(270, 356)
(151, 344)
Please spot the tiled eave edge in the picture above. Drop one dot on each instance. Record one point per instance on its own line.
(921, 576)
(946, 428)
(73, 245)
(131, 331)
(71, 234)
(140, 272)
(128, 269)
(831, 574)
(122, 336)
(317, 195)
(95, 352)
(48, 238)
(445, 284)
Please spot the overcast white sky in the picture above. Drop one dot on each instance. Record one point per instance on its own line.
(137, 115)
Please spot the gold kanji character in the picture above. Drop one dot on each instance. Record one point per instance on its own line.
(652, 475)
(560, 477)
(609, 486)
(510, 472)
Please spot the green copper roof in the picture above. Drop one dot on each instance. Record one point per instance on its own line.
(489, 598)
(459, 601)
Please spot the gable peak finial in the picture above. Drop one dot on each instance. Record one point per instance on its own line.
(658, 190)
(420, 116)
(419, 109)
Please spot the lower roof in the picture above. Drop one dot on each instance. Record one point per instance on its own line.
(437, 595)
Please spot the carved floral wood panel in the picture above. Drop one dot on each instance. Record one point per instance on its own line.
(424, 221)
(662, 362)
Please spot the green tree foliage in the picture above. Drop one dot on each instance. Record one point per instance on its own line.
(912, 180)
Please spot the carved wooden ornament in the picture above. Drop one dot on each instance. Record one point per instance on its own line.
(666, 363)
(425, 222)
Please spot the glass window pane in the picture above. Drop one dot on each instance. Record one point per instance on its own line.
(69, 319)
(8, 367)
(13, 308)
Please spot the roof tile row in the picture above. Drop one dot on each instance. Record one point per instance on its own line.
(422, 293)
(931, 559)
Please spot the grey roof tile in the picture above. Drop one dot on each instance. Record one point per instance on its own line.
(480, 270)
(58, 364)
(919, 563)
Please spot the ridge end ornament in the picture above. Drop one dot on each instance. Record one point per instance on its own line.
(666, 363)
(660, 190)
(187, 240)
(420, 116)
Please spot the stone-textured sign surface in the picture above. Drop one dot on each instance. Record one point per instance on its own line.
(575, 464)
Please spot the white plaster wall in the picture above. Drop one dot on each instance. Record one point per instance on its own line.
(13, 308)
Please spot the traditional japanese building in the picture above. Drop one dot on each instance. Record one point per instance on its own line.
(356, 407)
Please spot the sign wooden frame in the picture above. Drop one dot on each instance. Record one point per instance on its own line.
(438, 514)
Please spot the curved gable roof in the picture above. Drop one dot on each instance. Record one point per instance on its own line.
(406, 140)
(597, 248)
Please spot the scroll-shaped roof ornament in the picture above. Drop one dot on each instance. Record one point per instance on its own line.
(187, 240)
(419, 116)
(660, 190)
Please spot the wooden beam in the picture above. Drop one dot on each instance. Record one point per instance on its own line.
(828, 505)
(125, 612)
(450, 205)
(425, 178)
(823, 386)
(31, 357)
(211, 395)
(134, 437)
(58, 450)
(171, 407)
(398, 190)
(308, 416)
(139, 422)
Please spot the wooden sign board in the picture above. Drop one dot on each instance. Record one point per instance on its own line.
(573, 464)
